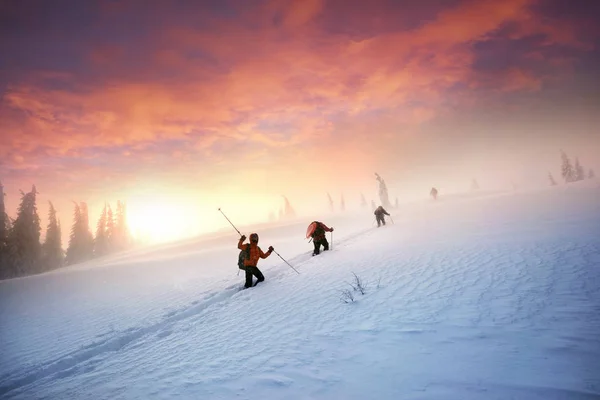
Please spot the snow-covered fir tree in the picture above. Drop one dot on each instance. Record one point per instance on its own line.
(567, 170)
(579, 171)
(101, 238)
(52, 251)
(24, 246)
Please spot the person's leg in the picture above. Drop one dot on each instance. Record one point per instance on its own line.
(259, 276)
(317, 247)
(248, 277)
(325, 245)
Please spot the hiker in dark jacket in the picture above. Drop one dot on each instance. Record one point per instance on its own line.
(253, 253)
(318, 237)
(433, 193)
(379, 215)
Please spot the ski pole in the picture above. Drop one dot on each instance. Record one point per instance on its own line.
(286, 262)
(230, 222)
(393, 223)
(331, 240)
(238, 273)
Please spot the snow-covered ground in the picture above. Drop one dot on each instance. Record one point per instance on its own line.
(471, 297)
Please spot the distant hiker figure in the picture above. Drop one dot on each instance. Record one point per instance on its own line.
(379, 215)
(249, 258)
(433, 193)
(316, 230)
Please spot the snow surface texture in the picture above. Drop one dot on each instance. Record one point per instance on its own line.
(490, 297)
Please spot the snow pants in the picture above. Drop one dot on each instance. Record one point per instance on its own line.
(253, 271)
(318, 244)
(380, 219)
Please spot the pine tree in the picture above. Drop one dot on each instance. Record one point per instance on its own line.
(4, 222)
(551, 178)
(331, 208)
(289, 210)
(87, 237)
(383, 192)
(81, 241)
(122, 237)
(4, 230)
(74, 250)
(363, 201)
(579, 172)
(52, 252)
(567, 171)
(101, 239)
(474, 184)
(110, 229)
(119, 222)
(342, 204)
(24, 238)
(591, 174)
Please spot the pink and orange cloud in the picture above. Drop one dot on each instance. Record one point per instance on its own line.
(130, 89)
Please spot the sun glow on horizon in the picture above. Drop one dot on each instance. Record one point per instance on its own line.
(162, 221)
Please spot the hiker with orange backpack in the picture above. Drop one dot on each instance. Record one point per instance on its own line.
(249, 258)
(316, 230)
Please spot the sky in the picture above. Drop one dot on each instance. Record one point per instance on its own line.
(181, 107)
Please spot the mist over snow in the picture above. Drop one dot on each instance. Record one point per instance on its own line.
(482, 295)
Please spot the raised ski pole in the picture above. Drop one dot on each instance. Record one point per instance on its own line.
(236, 229)
(331, 240)
(286, 262)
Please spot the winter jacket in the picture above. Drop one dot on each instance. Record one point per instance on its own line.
(319, 233)
(379, 211)
(255, 253)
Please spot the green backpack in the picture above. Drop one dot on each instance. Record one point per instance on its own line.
(244, 255)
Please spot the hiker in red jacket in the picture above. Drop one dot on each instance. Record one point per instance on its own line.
(318, 237)
(252, 254)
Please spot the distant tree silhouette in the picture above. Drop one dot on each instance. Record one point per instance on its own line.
(363, 201)
(110, 228)
(342, 204)
(101, 239)
(474, 184)
(551, 179)
(383, 192)
(4, 230)
(331, 208)
(579, 172)
(396, 203)
(567, 171)
(288, 210)
(373, 206)
(122, 237)
(88, 238)
(4, 221)
(81, 243)
(591, 174)
(24, 248)
(52, 252)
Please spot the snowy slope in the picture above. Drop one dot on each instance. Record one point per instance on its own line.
(491, 297)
